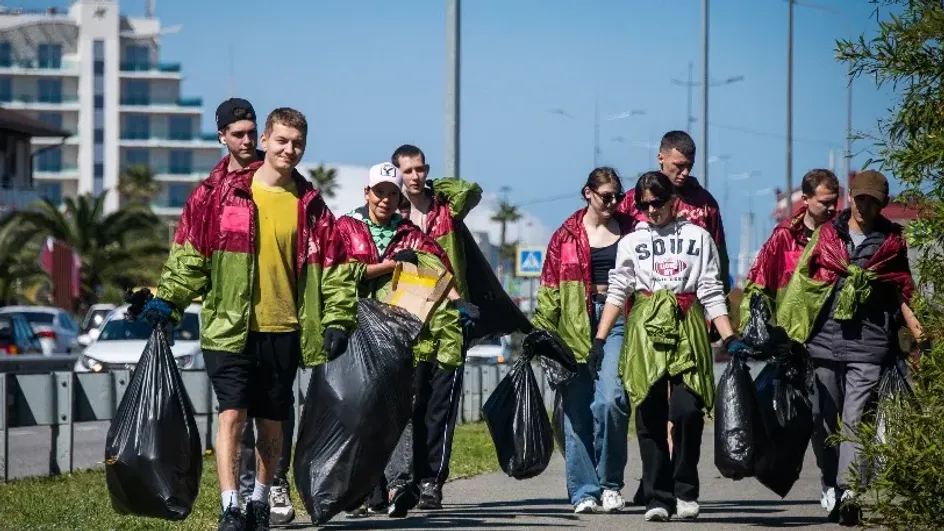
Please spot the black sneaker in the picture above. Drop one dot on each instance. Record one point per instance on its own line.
(430, 497)
(257, 516)
(402, 499)
(232, 520)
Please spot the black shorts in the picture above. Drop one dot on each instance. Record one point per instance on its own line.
(260, 379)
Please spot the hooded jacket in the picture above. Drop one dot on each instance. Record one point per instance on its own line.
(699, 207)
(442, 337)
(213, 256)
(451, 200)
(564, 304)
(776, 261)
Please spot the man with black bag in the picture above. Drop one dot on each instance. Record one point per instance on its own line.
(259, 245)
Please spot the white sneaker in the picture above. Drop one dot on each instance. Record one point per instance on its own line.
(828, 499)
(657, 514)
(587, 506)
(281, 510)
(686, 510)
(612, 501)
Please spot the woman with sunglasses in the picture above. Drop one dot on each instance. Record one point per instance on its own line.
(570, 299)
(669, 269)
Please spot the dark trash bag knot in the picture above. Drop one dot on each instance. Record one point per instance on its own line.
(153, 456)
(557, 359)
(766, 340)
(356, 407)
(518, 423)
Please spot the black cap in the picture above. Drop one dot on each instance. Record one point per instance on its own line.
(233, 110)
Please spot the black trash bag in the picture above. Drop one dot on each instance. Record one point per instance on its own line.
(739, 428)
(355, 410)
(557, 424)
(518, 423)
(499, 315)
(557, 360)
(153, 455)
(783, 394)
(893, 389)
(766, 340)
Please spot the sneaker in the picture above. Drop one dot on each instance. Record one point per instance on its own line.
(588, 506)
(280, 503)
(257, 516)
(686, 510)
(232, 520)
(828, 499)
(850, 514)
(402, 499)
(657, 514)
(430, 497)
(612, 501)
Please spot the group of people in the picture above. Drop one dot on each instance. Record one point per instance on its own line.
(635, 284)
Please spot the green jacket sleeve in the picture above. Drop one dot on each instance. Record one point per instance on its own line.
(186, 273)
(547, 312)
(339, 289)
(446, 332)
(462, 196)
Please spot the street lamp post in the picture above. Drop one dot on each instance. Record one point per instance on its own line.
(789, 210)
(452, 88)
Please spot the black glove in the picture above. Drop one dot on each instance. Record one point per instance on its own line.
(407, 255)
(595, 358)
(468, 312)
(733, 344)
(335, 342)
(143, 306)
(136, 301)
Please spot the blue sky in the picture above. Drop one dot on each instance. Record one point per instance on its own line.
(370, 75)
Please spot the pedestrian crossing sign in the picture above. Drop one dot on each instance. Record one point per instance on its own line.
(529, 261)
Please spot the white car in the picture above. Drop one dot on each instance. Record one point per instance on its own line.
(120, 343)
(490, 352)
(57, 330)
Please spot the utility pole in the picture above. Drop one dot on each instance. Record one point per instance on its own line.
(704, 92)
(789, 190)
(452, 88)
(849, 129)
(596, 133)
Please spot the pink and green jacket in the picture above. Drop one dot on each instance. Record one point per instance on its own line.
(213, 257)
(564, 302)
(451, 199)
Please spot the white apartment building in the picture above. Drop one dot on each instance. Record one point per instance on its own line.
(96, 73)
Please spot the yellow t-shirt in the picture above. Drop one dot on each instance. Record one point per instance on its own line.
(273, 292)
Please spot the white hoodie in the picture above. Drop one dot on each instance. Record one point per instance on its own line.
(680, 257)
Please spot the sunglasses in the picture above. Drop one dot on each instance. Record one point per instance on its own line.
(655, 203)
(608, 198)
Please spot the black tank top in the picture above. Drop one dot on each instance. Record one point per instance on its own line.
(602, 259)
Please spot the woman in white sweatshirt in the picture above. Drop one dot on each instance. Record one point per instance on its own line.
(668, 269)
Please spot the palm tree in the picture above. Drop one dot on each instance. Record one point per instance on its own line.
(507, 213)
(19, 267)
(137, 184)
(117, 250)
(325, 179)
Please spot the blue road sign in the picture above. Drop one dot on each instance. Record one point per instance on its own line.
(529, 261)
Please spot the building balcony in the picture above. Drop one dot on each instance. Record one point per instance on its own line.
(188, 175)
(150, 71)
(170, 106)
(201, 141)
(65, 172)
(55, 140)
(35, 68)
(34, 103)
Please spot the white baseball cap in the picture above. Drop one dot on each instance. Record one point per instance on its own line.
(384, 173)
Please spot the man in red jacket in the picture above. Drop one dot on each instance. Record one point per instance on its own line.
(676, 158)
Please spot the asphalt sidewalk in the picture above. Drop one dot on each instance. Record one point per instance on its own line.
(495, 501)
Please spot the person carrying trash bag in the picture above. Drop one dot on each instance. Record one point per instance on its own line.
(378, 236)
(569, 301)
(845, 303)
(260, 246)
(670, 267)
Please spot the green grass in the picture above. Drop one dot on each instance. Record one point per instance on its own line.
(80, 500)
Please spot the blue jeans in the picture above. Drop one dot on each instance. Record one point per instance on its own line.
(596, 423)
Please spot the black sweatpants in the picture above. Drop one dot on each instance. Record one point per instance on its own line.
(666, 478)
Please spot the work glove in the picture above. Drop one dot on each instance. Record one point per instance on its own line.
(145, 307)
(733, 344)
(335, 342)
(595, 358)
(407, 255)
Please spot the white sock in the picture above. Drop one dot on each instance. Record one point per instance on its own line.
(230, 498)
(260, 493)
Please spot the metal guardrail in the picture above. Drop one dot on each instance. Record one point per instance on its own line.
(37, 363)
(62, 398)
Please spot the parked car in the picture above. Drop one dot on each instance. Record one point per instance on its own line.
(120, 343)
(57, 330)
(17, 336)
(490, 352)
(91, 325)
